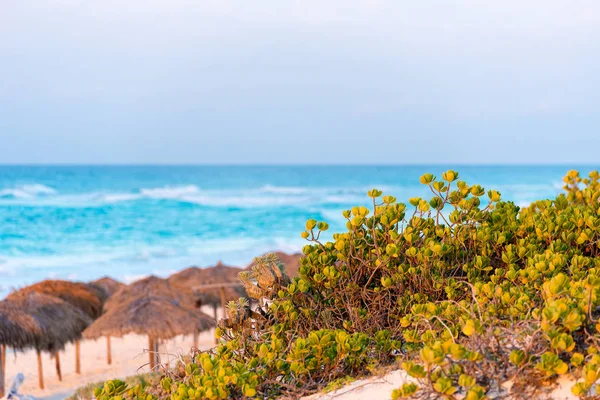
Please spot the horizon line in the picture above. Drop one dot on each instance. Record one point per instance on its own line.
(447, 164)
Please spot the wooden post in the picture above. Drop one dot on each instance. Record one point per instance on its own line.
(40, 370)
(151, 352)
(77, 357)
(57, 360)
(156, 352)
(196, 333)
(223, 303)
(108, 352)
(3, 358)
(2, 379)
(216, 320)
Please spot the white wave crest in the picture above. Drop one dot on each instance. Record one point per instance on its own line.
(265, 196)
(283, 189)
(27, 191)
(119, 197)
(345, 199)
(244, 201)
(170, 192)
(193, 194)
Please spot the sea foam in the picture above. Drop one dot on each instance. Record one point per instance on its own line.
(27, 191)
(170, 192)
(283, 189)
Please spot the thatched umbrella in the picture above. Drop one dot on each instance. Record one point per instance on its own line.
(77, 294)
(158, 317)
(155, 286)
(150, 286)
(17, 330)
(211, 277)
(107, 286)
(87, 298)
(206, 283)
(291, 262)
(59, 323)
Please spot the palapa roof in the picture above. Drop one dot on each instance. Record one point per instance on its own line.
(107, 286)
(152, 286)
(17, 328)
(77, 294)
(219, 273)
(155, 316)
(195, 277)
(59, 322)
(291, 262)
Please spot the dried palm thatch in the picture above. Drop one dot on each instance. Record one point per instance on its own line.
(58, 321)
(107, 286)
(152, 286)
(77, 294)
(155, 316)
(18, 329)
(291, 262)
(220, 273)
(194, 277)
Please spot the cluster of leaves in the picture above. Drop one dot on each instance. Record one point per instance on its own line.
(114, 389)
(120, 390)
(471, 290)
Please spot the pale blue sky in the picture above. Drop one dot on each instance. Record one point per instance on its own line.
(304, 81)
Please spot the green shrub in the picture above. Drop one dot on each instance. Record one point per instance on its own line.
(112, 389)
(472, 290)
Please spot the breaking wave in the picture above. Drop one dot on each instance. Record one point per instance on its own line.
(27, 191)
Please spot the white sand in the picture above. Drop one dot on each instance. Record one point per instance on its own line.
(374, 388)
(377, 388)
(128, 358)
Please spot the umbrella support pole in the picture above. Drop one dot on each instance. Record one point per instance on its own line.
(151, 349)
(77, 357)
(108, 351)
(58, 371)
(223, 302)
(3, 358)
(216, 320)
(223, 307)
(156, 352)
(2, 373)
(196, 338)
(40, 370)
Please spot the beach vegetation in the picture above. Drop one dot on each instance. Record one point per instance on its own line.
(462, 290)
(116, 388)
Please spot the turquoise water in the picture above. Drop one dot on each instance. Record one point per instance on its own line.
(84, 222)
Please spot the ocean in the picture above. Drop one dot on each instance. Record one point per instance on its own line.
(84, 222)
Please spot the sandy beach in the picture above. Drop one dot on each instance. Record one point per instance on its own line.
(381, 387)
(128, 358)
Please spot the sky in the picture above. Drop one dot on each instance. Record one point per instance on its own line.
(299, 82)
